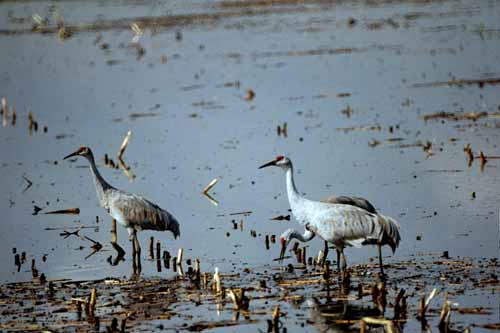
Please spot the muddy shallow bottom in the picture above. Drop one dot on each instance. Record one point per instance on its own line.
(308, 299)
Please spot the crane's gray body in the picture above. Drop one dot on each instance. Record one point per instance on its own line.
(345, 222)
(132, 211)
(352, 201)
(136, 212)
(345, 225)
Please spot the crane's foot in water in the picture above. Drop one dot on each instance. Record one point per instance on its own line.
(345, 280)
(344, 277)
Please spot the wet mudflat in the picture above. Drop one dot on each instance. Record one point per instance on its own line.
(309, 297)
(394, 101)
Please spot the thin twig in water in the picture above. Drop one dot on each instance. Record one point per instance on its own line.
(125, 169)
(30, 183)
(71, 211)
(211, 199)
(210, 185)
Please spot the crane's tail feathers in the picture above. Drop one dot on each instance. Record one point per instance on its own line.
(390, 235)
(170, 223)
(173, 226)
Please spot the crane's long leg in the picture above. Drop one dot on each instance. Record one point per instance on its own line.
(138, 251)
(344, 261)
(325, 253)
(380, 260)
(132, 235)
(338, 260)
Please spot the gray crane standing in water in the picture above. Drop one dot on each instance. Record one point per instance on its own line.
(337, 223)
(132, 211)
(345, 200)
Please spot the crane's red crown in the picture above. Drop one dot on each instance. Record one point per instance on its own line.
(283, 241)
(279, 158)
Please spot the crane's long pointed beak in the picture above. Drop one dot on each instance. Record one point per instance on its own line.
(268, 164)
(282, 253)
(71, 155)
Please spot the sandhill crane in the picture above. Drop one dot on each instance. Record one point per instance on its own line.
(345, 200)
(132, 211)
(340, 224)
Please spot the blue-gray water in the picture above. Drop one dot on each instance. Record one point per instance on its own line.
(197, 125)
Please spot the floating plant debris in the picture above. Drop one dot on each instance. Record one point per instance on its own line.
(70, 211)
(36, 210)
(281, 218)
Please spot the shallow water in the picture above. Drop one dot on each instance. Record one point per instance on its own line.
(181, 91)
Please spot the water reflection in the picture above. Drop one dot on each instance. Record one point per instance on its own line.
(337, 314)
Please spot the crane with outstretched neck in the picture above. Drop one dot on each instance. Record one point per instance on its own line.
(130, 210)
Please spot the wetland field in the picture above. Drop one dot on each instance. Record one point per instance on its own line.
(182, 101)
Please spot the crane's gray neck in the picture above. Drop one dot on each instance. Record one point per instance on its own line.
(306, 237)
(101, 185)
(293, 194)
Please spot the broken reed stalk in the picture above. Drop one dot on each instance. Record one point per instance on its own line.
(34, 271)
(424, 305)
(151, 245)
(319, 259)
(362, 327)
(4, 105)
(482, 160)
(32, 125)
(469, 153)
(92, 303)
(179, 256)
(166, 259)
(217, 281)
(114, 237)
(388, 324)
(400, 305)
(381, 296)
(197, 269)
(240, 301)
(180, 269)
(158, 250)
(51, 289)
(5, 117)
(158, 265)
(210, 185)
(125, 169)
(124, 144)
(444, 316)
(232, 296)
(276, 318)
(211, 199)
(70, 211)
(421, 309)
(14, 117)
(205, 280)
